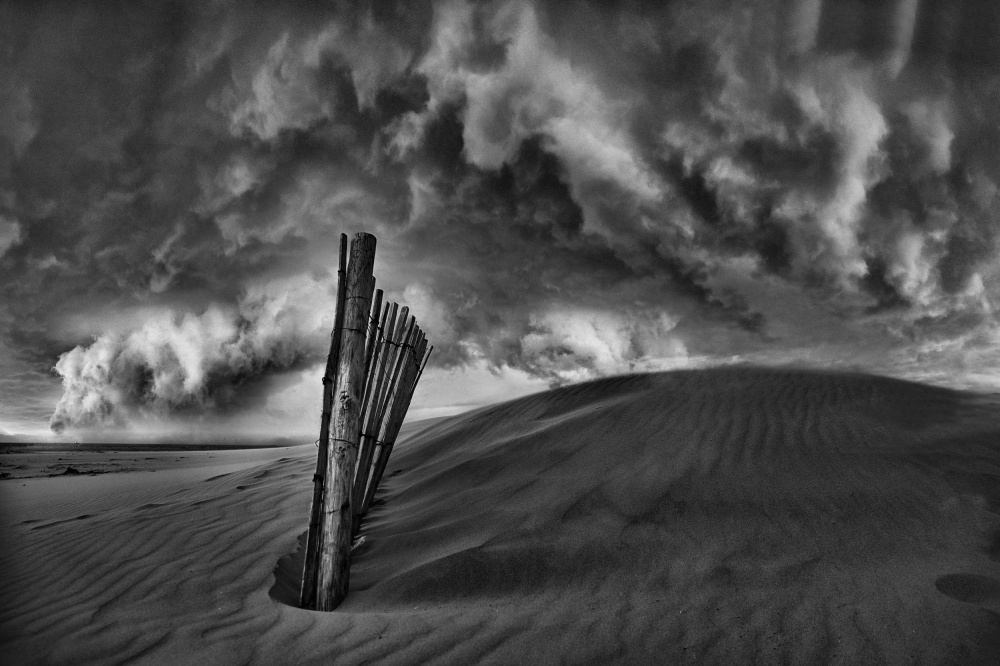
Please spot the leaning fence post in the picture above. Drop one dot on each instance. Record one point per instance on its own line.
(307, 593)
(336, 532)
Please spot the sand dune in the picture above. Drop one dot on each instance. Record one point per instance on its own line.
(726, 516)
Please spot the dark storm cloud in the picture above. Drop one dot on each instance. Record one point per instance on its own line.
(568, 189)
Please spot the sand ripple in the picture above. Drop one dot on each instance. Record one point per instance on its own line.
(725, 517)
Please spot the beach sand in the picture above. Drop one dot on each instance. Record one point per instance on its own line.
(726, 516)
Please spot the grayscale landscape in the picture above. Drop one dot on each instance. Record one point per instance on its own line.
(500, 331)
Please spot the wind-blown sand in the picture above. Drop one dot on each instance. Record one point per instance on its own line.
(725, 516)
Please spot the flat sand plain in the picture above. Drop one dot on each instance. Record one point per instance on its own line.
(727, 516)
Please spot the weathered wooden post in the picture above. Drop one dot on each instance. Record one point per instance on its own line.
(333, 577)
(307, 594)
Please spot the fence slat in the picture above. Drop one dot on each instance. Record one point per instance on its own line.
(392, 385)
(379, 468)
(370, 422)
(372, 339)
(378, 348)
(371, 382)
(390, 427)
(373, 400)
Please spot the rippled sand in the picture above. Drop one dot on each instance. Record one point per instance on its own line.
(725, 517)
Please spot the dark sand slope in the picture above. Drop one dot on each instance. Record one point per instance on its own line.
(727, 516)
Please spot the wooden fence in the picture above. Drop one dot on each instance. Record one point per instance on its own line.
(377, 354)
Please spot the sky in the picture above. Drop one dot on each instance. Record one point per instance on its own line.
(560, 191)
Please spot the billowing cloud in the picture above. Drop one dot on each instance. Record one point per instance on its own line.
(559, 190)
(572, 345)
(193, 363)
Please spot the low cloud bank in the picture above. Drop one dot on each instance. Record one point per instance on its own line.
(194, 363)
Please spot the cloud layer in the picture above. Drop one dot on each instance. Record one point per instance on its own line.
(189, 363)
(564, 190)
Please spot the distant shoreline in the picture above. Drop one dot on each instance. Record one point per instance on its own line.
(49, 447)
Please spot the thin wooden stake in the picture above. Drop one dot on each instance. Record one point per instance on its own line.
(335, 552)
(372, 341)
(403, 342)
(422, 365)
(370, 413)
(375, 382)
(403, 327)
(383, 455)
(375, 424)
(307, 591)
(388, 349)
(395, 421)
(391, 425)
(376, 349)
(395, 346)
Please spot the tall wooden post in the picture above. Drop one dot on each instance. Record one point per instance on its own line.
(335, 538)
(307, 593)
